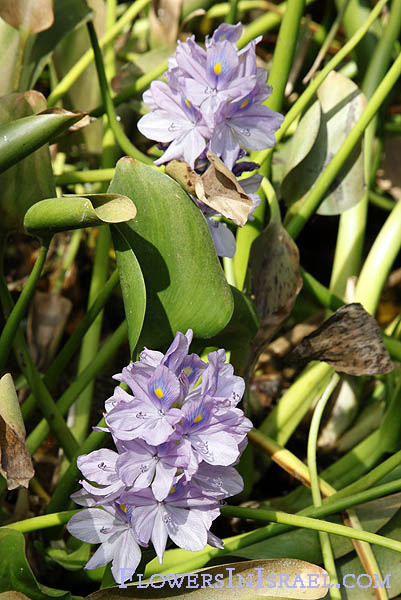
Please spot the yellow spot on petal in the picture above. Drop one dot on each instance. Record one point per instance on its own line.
(123, 508)
(187, 102)
(198, 418)
(172, 490)
(217, 68)
(187, 370)
(245, 102)
(159, 392)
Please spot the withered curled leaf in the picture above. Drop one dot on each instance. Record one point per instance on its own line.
(350, 341)
(15, 460)
(218, 188)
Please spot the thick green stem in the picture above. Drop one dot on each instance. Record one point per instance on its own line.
(278, 77)
(327, 552)
(82, 407)
(70, 177)
(232, 16)
(310, 91)
(380, 259)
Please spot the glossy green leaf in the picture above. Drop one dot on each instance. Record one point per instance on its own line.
(240, 581)
(16, 574)
(75, 212)
(31, 179)
(23, 136)
(68, 14)
(185, 284)
(317, 140)
(132, 286)
(241, 328)
(74, 560)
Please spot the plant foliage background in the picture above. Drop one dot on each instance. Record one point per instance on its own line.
(103, 253)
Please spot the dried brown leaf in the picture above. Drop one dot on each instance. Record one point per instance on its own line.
(47, 318)
(164, 19)
(15, 460)
(218, 188)
(30, 15)
(350, 341)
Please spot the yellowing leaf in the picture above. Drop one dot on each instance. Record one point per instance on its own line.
(16, 465)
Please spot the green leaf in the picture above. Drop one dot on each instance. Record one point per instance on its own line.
(31, 179)
(316, 141)
(23, 136)
(242, 327)
(68, 14)
(16, 574)
(241, 580)
(185, 284)
(75, 212)
(71, 561)
(132, 286)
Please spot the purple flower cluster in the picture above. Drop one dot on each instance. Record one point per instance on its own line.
(177, 438)
(212, 101)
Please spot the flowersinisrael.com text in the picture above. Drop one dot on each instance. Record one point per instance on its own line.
(228, 578)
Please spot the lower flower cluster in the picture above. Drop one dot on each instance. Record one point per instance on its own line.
(177, 439)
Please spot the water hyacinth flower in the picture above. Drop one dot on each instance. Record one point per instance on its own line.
(177, 435)
(212, 101)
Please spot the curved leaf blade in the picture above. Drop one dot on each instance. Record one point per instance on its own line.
(241, 580)
(185, 284)
(31, 179)
(132, 286)
(23, 136)
(15, 573)
(75, 212)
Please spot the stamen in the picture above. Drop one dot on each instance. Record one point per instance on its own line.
(159, 392)
(217, 68)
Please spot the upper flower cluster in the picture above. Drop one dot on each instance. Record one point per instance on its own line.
(177, 438)
(212, 101)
